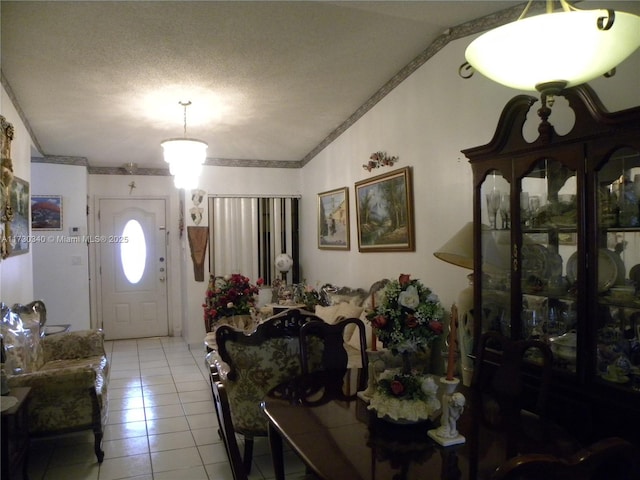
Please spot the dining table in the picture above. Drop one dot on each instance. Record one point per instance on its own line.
(335, 433)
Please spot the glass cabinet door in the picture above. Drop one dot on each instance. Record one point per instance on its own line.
(548, 270)
(495, 243)
(618, 269)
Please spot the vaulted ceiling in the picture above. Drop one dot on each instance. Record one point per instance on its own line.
(270, 82)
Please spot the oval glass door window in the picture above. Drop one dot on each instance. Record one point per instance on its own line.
(133, 251)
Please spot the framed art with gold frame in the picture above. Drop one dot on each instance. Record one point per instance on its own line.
(333, 219)
(19, 224)
(6, 182)
(384, 209)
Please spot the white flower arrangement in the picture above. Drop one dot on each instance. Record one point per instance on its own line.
(405, 398)
(409, 318)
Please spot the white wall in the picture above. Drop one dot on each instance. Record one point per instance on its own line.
(58, 258)
(426, 121)
(117, 186)
(185, 294)
(16, 277)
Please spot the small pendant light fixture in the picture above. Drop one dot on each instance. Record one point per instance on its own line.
(185, 157)
(555, 50)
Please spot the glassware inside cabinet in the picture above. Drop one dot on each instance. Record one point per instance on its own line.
(548, 259)
(495, 193)
(618, 269)
(495, 242)
(548, 220)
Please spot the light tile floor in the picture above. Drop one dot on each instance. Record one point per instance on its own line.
(161, 426)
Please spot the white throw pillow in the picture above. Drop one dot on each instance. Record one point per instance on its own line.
(333, 313)
(328, 314)
(354, 341)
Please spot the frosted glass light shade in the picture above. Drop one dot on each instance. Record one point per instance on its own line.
(187, 180)
(555, 47)
(185, 157)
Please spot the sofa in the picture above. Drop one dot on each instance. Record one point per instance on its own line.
(334, 303)
(67, 372)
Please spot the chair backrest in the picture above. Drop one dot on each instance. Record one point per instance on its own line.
(499, 372)
(257, 362)
(226, 430)
(608, 459)
(509, 377)
(334, 349)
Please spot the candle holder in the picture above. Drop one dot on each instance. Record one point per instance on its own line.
(452, 406)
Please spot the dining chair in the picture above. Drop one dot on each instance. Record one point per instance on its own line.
(250, 364)
(226, 431)
(608, 459)
(333, 346)
(510, 391)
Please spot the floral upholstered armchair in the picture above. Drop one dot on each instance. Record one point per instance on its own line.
(67, 372)
(250, 364)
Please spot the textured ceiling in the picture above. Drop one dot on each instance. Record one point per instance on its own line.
(269, 81)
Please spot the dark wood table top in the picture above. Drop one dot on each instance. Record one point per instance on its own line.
(338, 437)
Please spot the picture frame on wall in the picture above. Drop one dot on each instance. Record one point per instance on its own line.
(19, 225)
(333, 219)
(46, 212)
(384, 211)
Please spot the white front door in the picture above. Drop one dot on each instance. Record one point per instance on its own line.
(133, 267)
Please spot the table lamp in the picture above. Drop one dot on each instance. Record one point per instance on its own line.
(284, 262)
(458, 250)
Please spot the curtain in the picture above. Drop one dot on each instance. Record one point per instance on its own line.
(247, 233)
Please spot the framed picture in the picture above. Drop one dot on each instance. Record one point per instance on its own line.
(19, 225)
(6, 181)
(384, 207)
(333, 219)
(46, 212)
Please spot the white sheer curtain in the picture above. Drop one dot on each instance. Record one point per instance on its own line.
(247, 233)
(234, 231)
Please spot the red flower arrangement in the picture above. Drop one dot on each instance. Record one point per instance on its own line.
(229, 295)
(409, 317)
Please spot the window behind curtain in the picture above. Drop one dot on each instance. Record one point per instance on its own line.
(246, 234)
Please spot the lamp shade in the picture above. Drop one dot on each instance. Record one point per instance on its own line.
(567, 47)
(458, 250)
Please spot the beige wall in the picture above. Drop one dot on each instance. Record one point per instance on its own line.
(426, 121)
(16, 273)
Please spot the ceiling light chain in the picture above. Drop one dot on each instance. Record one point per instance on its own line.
(185, 105)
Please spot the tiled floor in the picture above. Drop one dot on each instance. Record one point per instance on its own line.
(161, 426)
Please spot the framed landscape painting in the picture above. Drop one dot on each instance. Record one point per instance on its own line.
(46, 212)
(19, 224)
(384, 206)
(333, 219)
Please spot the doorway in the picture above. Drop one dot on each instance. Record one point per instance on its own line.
(132, 252)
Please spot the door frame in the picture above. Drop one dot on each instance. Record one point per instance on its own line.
(95, 280)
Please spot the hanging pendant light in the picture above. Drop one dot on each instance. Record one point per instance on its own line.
(552, 51)
(185, 157)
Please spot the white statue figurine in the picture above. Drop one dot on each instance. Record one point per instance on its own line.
(448, 428)
(447, 433)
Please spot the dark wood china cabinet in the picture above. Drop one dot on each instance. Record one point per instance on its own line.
(557, 242)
